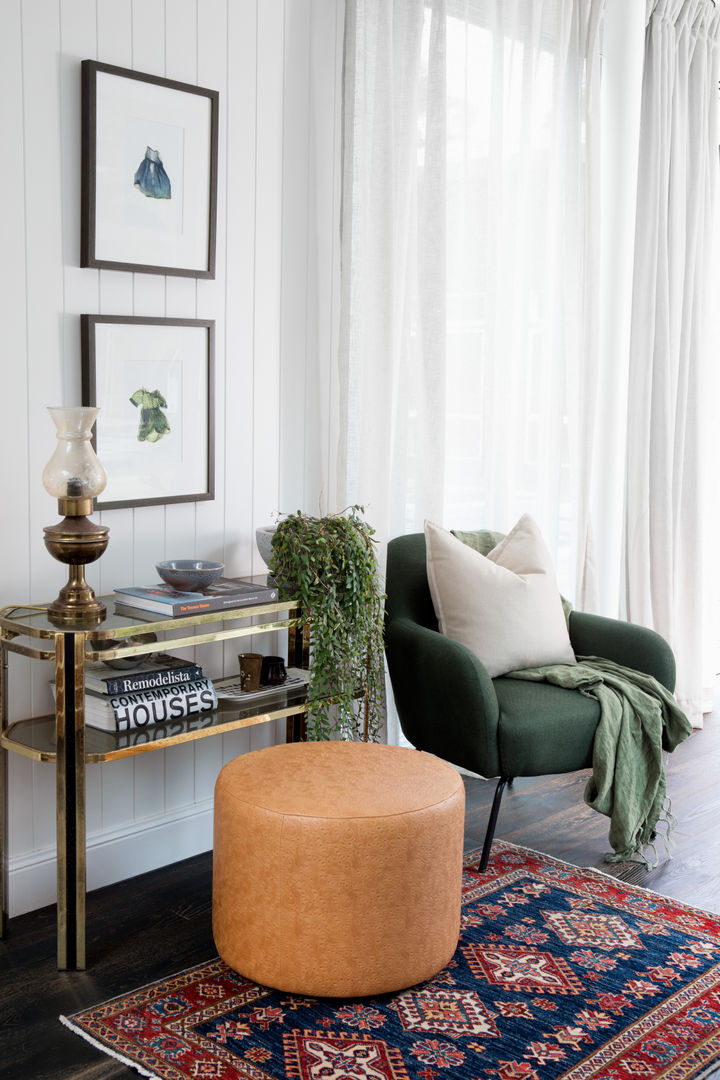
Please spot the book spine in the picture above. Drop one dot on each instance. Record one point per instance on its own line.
(176, 608)
(224, 603)
(148, 707)
(152, 680)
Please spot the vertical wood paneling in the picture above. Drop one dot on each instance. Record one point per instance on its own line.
(43, 277)
(181, 296)
(148, 294)
(15, 482)
(149, 546)
(48, 374)
(267, 274)
(148, 37)
(257, 54)
(240, 134)
(115, 297)
(78, 36)
(212, 71)
(181, 40)
(296, 224)
(114, 32)
(268, 253)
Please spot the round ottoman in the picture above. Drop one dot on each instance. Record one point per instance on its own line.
(337, 867)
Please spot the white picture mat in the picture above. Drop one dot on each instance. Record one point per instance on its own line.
(174, 361)
(130, 227)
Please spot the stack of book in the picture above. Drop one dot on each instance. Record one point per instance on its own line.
(223, 595)
(157, 690)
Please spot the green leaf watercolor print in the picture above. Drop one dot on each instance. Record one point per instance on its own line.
(153, 421)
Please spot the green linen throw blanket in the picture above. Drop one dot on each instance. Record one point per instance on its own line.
(639, 719)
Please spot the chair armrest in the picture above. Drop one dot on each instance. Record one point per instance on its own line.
(625, 643)
(445, 698)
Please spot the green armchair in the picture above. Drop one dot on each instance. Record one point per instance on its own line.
(449, 706)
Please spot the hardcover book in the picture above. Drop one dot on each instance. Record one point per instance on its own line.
(145, 708)
(223, 594)
(160, 669)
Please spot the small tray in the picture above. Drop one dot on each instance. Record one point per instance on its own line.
(230, 688)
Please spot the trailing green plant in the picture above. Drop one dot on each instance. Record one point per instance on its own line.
(328, 563)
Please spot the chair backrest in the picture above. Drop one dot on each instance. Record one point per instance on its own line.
(406, 585)
(457, 724)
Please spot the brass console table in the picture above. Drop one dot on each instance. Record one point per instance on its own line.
(64, 739)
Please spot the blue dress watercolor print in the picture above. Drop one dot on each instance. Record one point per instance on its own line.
(151, 178)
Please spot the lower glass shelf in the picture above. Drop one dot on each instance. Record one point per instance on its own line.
(35, 738)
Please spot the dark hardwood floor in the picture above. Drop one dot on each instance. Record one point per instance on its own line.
(159, 923)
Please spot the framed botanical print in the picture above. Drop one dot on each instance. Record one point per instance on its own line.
(149, 173)
(153, 381)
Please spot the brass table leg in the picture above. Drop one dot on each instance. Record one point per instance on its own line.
(298, 656)
(70, 788)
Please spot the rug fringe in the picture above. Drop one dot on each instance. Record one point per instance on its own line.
(652, 892)
(475, 853)
(106, 1049)
(711, 1073)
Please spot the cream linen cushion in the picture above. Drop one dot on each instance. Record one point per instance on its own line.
(505, 607)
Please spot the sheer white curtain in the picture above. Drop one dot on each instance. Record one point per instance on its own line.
(666, 505)
(515, 336)
(469, 271)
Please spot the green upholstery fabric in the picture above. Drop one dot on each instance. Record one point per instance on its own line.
(544, 729)
(625, 643)
(444, 696)
(449, 706)
(461, 726)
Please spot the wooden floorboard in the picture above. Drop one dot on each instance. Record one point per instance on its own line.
(155, 925)
(548, 814)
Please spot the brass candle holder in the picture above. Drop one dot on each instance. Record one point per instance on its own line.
(75, 476)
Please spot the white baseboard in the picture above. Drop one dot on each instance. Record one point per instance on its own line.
(114, 856)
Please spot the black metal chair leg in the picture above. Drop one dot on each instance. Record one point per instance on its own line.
(494, 811)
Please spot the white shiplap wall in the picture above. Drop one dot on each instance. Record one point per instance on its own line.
(277, 66)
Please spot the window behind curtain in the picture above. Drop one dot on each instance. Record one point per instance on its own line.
(510, 376)
(467, 230)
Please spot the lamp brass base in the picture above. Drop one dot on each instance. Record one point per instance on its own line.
(76, 541)
(76, 602)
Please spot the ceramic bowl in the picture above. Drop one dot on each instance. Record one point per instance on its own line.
(189, 575)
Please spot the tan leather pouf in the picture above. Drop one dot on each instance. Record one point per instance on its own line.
(337, 867)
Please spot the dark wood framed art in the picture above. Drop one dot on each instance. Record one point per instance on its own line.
(154, 383)
(149, 173)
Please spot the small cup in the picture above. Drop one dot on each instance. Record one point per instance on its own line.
(273, 671)
(250, 666)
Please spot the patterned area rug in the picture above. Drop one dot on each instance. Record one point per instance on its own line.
(559, 972)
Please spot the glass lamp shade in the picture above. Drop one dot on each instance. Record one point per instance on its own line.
(74, 472)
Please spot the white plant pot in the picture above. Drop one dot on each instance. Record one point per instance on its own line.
(263, 539)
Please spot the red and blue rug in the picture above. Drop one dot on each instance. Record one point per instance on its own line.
(559, 972)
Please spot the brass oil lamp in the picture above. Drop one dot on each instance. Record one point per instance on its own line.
(75, 476)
